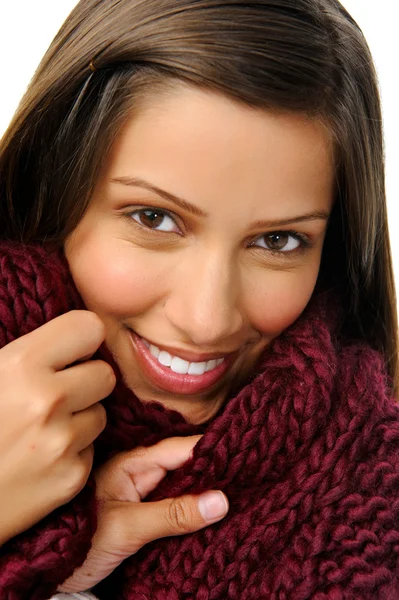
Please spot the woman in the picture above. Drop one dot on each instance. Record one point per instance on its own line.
(209, 177)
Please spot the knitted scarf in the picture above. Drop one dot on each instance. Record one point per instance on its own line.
(307, 453)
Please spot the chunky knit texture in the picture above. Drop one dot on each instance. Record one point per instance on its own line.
(307, 453)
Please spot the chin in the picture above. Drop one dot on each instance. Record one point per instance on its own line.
(196, 410)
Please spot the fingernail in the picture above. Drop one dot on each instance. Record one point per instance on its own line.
(213, 505)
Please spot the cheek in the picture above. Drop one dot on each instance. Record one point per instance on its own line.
(276, 303)
(114, 282)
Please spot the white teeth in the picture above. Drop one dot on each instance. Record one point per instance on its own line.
(197, 368)
(154, 350)
(211, 364)
(165, 358)
(179, 365)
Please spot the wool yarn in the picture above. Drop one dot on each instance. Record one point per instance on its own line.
(307, 453)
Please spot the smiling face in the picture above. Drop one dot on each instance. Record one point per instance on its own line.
(202, 242)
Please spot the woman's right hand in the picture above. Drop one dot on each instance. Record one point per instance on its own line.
(49, 417)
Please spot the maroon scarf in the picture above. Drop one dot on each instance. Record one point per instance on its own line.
(307, 453)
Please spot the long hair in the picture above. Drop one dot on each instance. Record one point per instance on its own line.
(305, 56)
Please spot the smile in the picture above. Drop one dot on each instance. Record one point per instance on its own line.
(175, 374)
(179, 365)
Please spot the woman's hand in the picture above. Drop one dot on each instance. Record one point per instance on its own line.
(125, 524)
(49, 417)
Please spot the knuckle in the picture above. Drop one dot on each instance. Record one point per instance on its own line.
(78, 476)
(140, 453)
(15, 358)
(109, 375)
(178, 516)
(38, 408)
(87, 458)
(94, 322)
(60, 445)
(43, 403)
(101, 416)
(88, 322)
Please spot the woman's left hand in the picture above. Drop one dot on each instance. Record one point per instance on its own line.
(125, 524)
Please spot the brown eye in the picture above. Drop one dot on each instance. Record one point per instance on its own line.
(150, 218)
(157, 220)
(277, 241)
(280, 241)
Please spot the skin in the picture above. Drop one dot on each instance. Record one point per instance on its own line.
(196, 283)
(205, 282)
(201, 283)
(125, 524)
(47, 425)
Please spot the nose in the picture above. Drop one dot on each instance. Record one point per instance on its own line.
(203, 303)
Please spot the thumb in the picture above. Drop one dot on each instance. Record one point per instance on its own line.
(125, 527)
(148, 521)
(186, 514)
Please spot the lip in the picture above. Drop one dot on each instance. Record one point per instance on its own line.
(169, 381)
(190, 356)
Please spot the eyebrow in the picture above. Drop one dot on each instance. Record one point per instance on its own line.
(141, 183)
(137, 182)
(318, 215)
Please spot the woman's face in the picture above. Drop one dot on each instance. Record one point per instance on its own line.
(202, 242)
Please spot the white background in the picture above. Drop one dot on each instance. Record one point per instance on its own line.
(28, 26)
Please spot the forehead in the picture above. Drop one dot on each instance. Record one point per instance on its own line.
(205, 147)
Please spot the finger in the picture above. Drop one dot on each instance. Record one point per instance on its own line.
(87, 457)
(87, 426)
(171, 453)
(150, 465)
(64, 340)
(131, 476)
(138, 524)
(124, 528)
(71, 479)
(86, 383)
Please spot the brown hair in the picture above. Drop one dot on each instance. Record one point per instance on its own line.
(295, 55)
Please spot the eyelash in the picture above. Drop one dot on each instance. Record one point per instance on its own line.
(304, 244)
(159, 211)
(304, 241)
